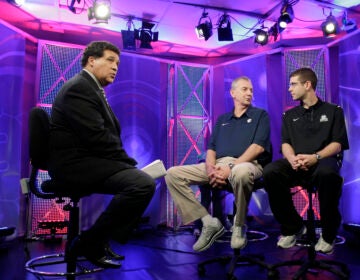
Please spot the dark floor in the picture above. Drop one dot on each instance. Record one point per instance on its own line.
(165, 254)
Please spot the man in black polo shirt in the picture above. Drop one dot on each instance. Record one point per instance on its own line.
(239, 145)
(313, 138)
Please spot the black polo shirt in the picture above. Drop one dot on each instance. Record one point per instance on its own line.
(232, 136)
(310, 130)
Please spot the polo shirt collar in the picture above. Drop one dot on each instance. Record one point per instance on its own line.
(247, 113)
(313, 107)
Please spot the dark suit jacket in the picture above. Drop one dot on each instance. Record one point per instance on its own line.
(85, 143)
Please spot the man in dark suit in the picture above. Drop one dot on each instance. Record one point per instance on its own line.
(86, 150)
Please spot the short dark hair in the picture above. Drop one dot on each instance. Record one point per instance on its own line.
(306, 74)
(97, 49)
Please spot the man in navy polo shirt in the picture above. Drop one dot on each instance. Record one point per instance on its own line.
(239, 147)
(313, 137)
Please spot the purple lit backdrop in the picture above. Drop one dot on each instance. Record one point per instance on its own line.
(12, 62)
(349, 99)
(139, 100)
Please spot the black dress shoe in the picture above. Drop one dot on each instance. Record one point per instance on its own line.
(110, 253)
(92, 253)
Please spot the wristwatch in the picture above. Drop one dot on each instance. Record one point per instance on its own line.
(317, 156)
(231, 165)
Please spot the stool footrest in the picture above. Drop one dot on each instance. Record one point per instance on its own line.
(58, 259)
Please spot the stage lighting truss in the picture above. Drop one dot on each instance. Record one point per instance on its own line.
(330, 26)
(224, 28)
(100, 12)
(261, 36)
(286, 14)
(145, 35)
(204, 28)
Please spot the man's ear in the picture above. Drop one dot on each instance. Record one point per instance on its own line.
(91, 60)
(232, 93)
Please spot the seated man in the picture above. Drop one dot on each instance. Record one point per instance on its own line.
(313, 136)
(86, 151)
(237, 148)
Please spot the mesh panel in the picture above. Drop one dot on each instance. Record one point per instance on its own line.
(47, 216)
(188, 110)
(313, 59)
(301, 202)
(58, 64)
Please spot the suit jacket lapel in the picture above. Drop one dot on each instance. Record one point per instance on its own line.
(108, 109)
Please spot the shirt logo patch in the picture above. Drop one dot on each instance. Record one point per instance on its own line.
(249, 120)
(324, 118)
(294, 120)
(223, 124)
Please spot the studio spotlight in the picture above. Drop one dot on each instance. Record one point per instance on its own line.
(100, 11)
(330, 27)
(274, 31)
(128, 36)
(349, 25)
(145, 35)
(286, 15)
(72, 6)
(261, 36)
(224, 28)
(16, 2)
(204, 27)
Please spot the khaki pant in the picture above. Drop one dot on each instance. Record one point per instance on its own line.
(179, 179)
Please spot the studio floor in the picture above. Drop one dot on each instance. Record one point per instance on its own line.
(167, 254)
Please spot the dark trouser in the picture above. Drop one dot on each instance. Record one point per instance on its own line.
(280, 177)
(132, 190)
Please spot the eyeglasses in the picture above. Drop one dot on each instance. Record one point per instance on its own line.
(295, 84)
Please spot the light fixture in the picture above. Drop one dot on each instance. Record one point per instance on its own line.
(16, 2)
(204, 28)
(224, 28)
(349, 25)
(128, 36)
(261, 36)
(145, 35)
(286, 15)
(330, 26)
(100, 11)
(72, 6)
(274, 31)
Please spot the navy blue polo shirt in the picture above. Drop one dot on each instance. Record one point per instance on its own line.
(310, 130)
(232, 136)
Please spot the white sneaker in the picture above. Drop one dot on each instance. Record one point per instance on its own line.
(323, 247)
(238, 237)
(289, 241)
(209, 234)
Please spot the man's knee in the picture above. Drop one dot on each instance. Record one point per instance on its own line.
(171, 174)
(148, 185)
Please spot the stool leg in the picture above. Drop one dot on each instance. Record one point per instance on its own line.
(73, 231)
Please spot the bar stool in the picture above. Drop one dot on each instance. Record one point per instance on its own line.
(46, 265)
(306, 265)
(237, 258)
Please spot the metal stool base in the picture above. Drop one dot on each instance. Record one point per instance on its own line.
(58, 259)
